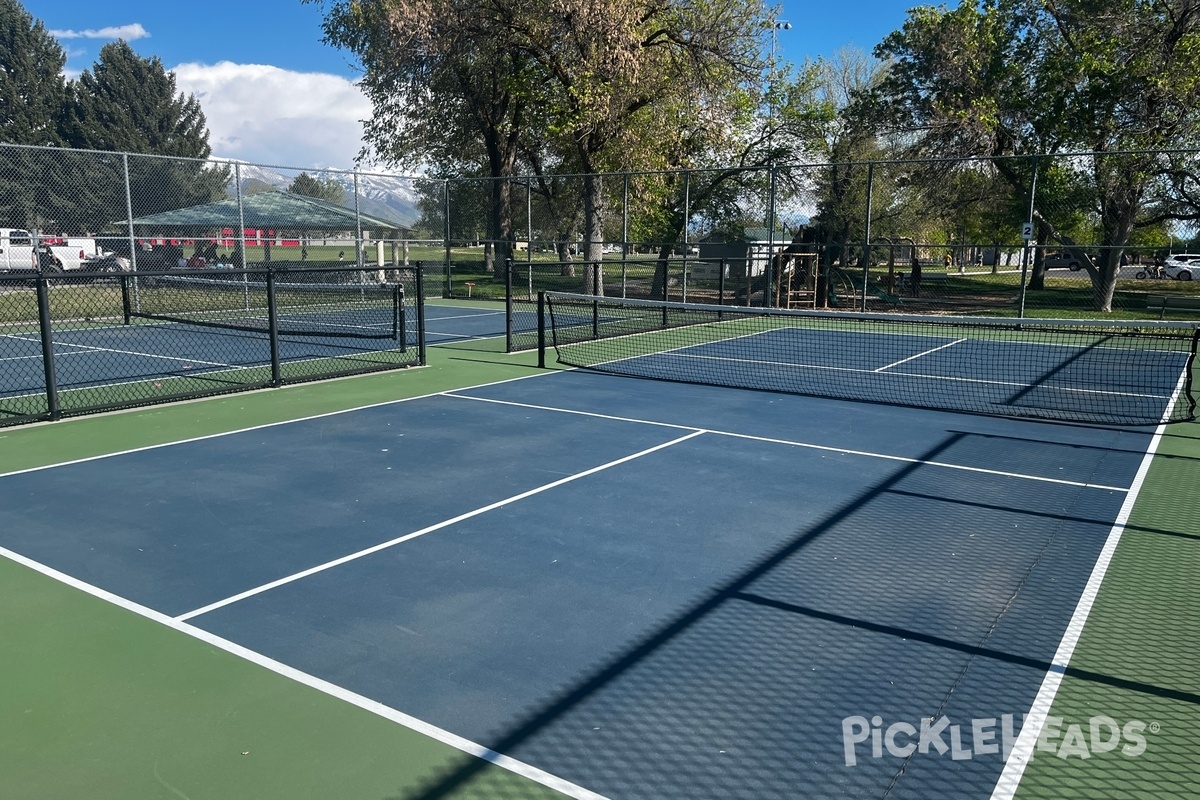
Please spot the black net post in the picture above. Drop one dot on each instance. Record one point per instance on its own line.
(1188, 375)
(273, 329)
(44, 320)
(398, 318)
(126, 305)
(541, 330)
(508, 305)
(420, 315)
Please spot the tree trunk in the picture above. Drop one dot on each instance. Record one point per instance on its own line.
(502, 159)
(564, 256)
(593, 233)
(658, 289)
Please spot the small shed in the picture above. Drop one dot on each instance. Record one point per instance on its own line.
(748, 251)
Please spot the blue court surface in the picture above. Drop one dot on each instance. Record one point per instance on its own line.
(103, 355)
(455, 323)
(644, 589)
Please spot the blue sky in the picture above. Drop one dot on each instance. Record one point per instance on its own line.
(274, 93)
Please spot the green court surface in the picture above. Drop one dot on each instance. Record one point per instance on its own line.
(100, 701)
(1138, 660)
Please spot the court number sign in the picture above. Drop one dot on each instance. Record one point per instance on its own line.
(1027, 230)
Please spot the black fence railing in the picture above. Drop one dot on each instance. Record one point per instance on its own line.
(79, 343)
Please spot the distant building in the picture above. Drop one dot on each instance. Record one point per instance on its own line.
(751, 250)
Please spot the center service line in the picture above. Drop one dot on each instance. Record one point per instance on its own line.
(444, 524)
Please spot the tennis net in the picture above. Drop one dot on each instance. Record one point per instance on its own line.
(247, 302)
(1090, 371)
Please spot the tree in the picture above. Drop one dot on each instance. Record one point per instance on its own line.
(328, 189)
(1021, 77)
(610, 69)
(130, 104)
(32, 97)
(32, 91)
(567, 82)
(447, 92)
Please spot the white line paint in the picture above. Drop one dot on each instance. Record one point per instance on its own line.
(440, 318)
(925, 376)
(313, 682)
(919, 355)
(792, 443)
(90, 348)
(1022, 751)
(430, 529)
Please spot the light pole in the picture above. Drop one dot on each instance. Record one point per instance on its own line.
(776, 26)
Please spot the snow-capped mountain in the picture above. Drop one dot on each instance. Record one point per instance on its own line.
(391, 197)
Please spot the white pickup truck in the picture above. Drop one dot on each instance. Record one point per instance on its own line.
(58, 253)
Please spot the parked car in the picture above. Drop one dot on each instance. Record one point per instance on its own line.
(1182, 266)
(1057, 260)
(109, 262)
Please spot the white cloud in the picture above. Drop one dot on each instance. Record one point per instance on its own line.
(127, 32)
(271, 116)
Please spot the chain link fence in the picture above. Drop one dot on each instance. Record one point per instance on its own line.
(130, 280)
(1045, 236)
(1081, 235)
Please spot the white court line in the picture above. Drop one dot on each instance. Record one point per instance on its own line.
(430, 529)
(437, 318)
(93, 348)
(919, 355)
(333, 690)
(926, 376)
(457, 393)
(1022, 751)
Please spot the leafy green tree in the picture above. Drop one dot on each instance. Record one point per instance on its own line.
(1013, 77)
(578, 84)
(447, 90)
(609, 70)
(328, 189)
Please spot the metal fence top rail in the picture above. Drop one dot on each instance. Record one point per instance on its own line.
(1147, 325)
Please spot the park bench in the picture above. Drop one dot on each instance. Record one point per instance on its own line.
(1162, 303)
(929, 280)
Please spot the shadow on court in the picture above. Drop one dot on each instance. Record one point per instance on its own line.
(781, 654)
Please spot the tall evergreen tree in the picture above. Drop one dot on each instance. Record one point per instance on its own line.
(32, 91)
(32, 96)
(130, 104)
(327, 189)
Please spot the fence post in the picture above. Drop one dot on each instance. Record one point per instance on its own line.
(687, 215)
(625, 235)
(508, 305)
(721, 282)
(1025, 248)
(447, 291)
(541, 329)
(421, 313)
(769, 272)
(133, 248)
(44, 320)
(866, 256)
(273, 328)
